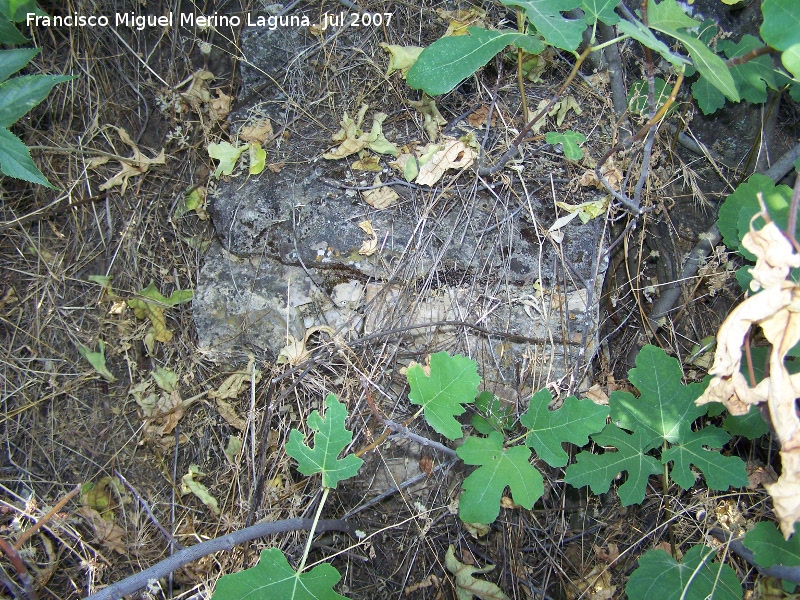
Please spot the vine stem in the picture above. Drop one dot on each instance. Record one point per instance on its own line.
(302, 566)
(665, 489)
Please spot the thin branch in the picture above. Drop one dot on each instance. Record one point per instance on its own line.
(139, 580)
(41, 522)
(19, 566)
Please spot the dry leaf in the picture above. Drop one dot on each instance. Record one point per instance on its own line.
(367, 162)
(462, 18)
(426, 465)
(370, 245)
(537, 128)
(759, 476)
(295, 351)
(198, 92)
(776, 310)
(430, 580)
(478, 117)
(227, 412)
(136, 165)
(596, 585)
(454, 155)
(562, 107)
(597, 395)
(220, 106)
(382, 197)
(260, 131)
(467, 586)
(235, 382)
(607, 556)
(506, 502)
(108, 533)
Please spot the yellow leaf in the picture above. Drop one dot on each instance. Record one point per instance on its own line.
(433, 119)
(587, 210)
(401, 58)
(353, 139)
(227, 155)
(258, 158)
(190, 485)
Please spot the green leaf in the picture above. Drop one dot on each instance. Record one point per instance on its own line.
(20, 94)
(769, 546)
(448, 61)
(743, 204)
(330, 438)
(664, 404)
(165, 378)
(494, 416)
(97, 359)
(273, 579)
(661, 576)
(227, 155)
(751, 426)
(599, 470)
(17, 9)
(499, 467)
(233, 448)
(573, 422)
(721, 472)
(791, 60)
(781, 26)
(667, 17)
(104, 281)
(16, 161)
(600, 10)
(12, 61)
(453, 381)
(10, 34)
(709, 98)
(175, 298)
(753, 77)
(569, 140)
(644, 36)
(545, 15)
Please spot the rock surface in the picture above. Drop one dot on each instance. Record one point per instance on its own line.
(466, 265)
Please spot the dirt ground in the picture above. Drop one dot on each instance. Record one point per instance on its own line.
(64, 425)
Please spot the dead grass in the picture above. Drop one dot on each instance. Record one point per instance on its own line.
(63, 425)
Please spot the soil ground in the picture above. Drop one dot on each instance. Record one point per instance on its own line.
(64, 425)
